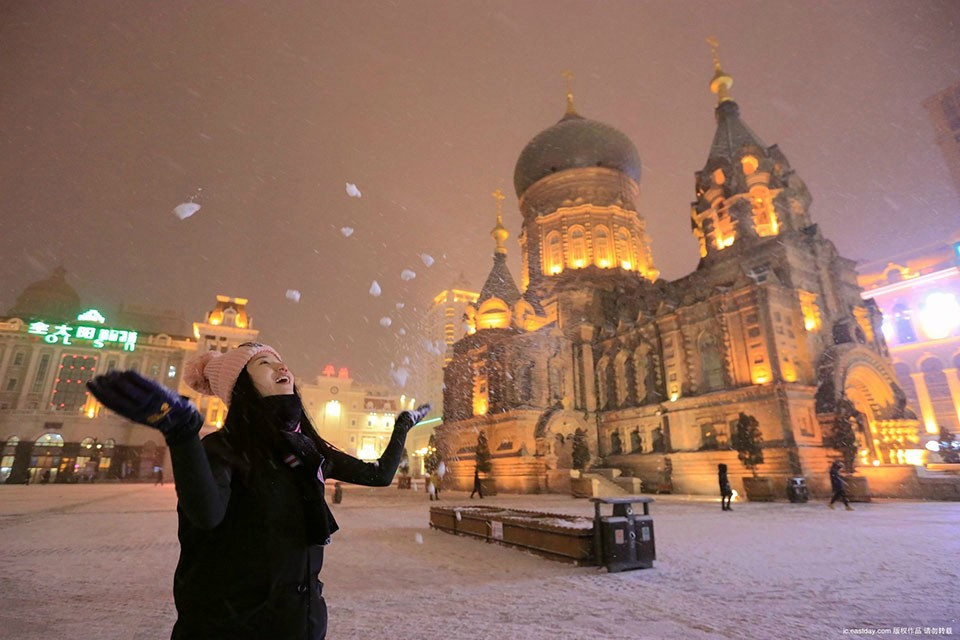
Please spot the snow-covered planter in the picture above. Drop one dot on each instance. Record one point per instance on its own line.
(857, 489)
(758, 489)
(556, 536)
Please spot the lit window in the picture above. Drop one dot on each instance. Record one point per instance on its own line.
(626, 253)
(749, 164)
(718, 177)
(578, 247)
(940, 315)
(554, 253)
(601, 243)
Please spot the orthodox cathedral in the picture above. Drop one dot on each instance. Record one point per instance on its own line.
(653, 374)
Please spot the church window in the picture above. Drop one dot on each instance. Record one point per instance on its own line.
(636, 443)
(711, 362)
(601, 246)
(810, 310)
(616, 446)
(625, 251)
(718, 177)
(641, 364)
(749, 164)
(764, 215)
(723, 232)
(578, 247)
(554, 253)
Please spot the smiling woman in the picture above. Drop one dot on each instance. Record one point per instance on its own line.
(253, 518)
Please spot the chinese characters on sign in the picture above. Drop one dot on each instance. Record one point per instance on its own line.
(100, 337)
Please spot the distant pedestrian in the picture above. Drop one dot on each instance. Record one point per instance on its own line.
(159, 475)
(45, 478)
(726, 493)
(839, 486)
(477, 487)
(337, 493)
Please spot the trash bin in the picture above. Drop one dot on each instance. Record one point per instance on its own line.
(797, 490)
(624, 540)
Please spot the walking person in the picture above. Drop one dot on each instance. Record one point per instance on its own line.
(726, 493)
(477, 488)
(253, 521)
(839, 486)
(159, 476)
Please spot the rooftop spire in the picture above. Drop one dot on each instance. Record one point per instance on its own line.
(721, 82)
(571, 110)
(500, 233)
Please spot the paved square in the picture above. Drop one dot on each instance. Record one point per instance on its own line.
(97, 562)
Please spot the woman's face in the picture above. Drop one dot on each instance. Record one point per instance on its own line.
(269, 375)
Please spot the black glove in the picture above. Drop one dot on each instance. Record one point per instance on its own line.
(409, 419)
(141, 400)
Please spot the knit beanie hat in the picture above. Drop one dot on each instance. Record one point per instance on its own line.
(215, 374)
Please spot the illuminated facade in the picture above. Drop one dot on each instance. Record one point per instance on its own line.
(770, 323)
(354, 417)
(50, 345)
(919, 294)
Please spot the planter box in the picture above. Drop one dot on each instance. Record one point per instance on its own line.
(758, 489)
(489, 487)
(857, 489)
(560, 537)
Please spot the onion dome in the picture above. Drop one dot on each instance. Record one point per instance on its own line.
(51, 298)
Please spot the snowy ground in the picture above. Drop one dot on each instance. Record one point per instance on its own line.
(97, 562)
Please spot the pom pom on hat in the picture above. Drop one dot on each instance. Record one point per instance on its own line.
(215, 373)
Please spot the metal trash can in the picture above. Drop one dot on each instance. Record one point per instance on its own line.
(797, 489)
(624, 540)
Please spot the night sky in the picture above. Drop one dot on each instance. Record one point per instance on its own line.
(113, 113)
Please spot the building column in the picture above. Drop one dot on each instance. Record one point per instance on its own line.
(926, 407)
(953, 380)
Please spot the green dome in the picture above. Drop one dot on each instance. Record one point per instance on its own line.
(574, 143)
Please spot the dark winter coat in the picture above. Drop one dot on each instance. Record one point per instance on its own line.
(251, 551)
(724, 481)
(836, 482)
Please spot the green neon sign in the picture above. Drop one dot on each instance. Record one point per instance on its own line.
(98, 336)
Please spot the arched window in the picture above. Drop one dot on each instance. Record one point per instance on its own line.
(636, 442)
(623, 378)
(603, 380)
(578, 247)
(9, 455)
(903, 324)
(642, 365)
(45, 461)
(616, 446)
(554, 253)
(764, 215)
(939, 390)
(626, 255)
(601, 246)
(711, 362)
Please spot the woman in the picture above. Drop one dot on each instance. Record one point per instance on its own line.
(253, 521)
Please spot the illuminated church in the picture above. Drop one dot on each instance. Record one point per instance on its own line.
(771, 323)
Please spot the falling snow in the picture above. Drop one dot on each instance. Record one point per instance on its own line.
(427, 260)
(375, 288)
(385, 321)
(346, 231)
(293, 294)
(185, 210)
(352, 190)
(407, 274)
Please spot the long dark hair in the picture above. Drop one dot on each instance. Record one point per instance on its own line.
(250, 428)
